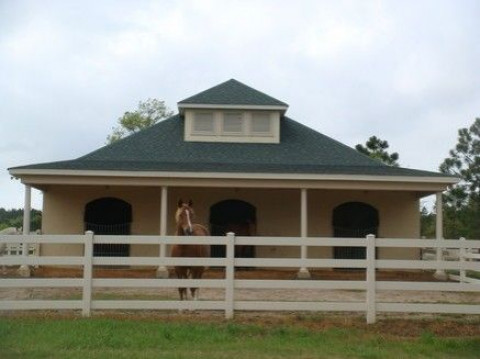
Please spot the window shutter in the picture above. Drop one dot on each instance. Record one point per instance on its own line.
(261, 123)
(204, 123)
(233, 123)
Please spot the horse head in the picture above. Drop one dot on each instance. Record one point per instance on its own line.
(184, 217)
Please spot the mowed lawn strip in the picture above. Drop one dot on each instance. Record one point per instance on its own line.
(50, 337)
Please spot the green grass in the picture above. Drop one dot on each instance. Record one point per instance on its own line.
(97, 337)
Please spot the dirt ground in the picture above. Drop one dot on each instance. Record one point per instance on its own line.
(388, 324)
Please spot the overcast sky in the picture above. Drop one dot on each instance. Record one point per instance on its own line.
(406, 71)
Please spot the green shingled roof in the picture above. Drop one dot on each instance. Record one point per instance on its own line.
(233, 92)
(162, 148)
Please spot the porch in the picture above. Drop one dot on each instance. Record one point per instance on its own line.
(248, 211)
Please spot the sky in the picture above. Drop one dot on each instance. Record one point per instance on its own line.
(405, 71)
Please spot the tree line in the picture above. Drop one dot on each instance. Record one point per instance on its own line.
(14, 218)
(461, 202)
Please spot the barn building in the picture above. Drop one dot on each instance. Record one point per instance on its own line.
(247, 167)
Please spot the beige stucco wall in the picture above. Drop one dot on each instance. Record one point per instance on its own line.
(398, 214)
(278, 213)
(64, 208)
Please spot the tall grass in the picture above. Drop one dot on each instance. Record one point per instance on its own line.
(34, 337)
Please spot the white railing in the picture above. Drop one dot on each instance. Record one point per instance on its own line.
(17, 250)
(370, 286)
(458, 254)
(466, 255)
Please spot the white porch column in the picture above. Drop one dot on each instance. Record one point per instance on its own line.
(303, 273)
(24, 270)
(162, 271)
(440, 273)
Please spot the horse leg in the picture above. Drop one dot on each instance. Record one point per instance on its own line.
(181, 274)
(183, 293)
(197, 273)
(3, 248)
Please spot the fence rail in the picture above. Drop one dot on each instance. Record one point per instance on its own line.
(370, 286)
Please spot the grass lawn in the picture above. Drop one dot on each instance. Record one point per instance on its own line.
(169, 337)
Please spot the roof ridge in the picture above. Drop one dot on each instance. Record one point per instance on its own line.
(232, 92)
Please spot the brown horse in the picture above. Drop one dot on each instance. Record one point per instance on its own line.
(185, 227)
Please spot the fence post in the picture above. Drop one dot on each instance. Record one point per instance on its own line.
(462, 258)
(162, 271)
(370, 296)
(440, 272)
(230, 275)
(24, 269)
(87, 274)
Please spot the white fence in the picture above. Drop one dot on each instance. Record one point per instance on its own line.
(230, 285)
(462, 255)
(458, 254)
(17, 249)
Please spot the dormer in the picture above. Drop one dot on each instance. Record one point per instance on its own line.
(232, 112)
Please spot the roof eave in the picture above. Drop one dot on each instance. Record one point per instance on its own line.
(184, 106)
(441, 180)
